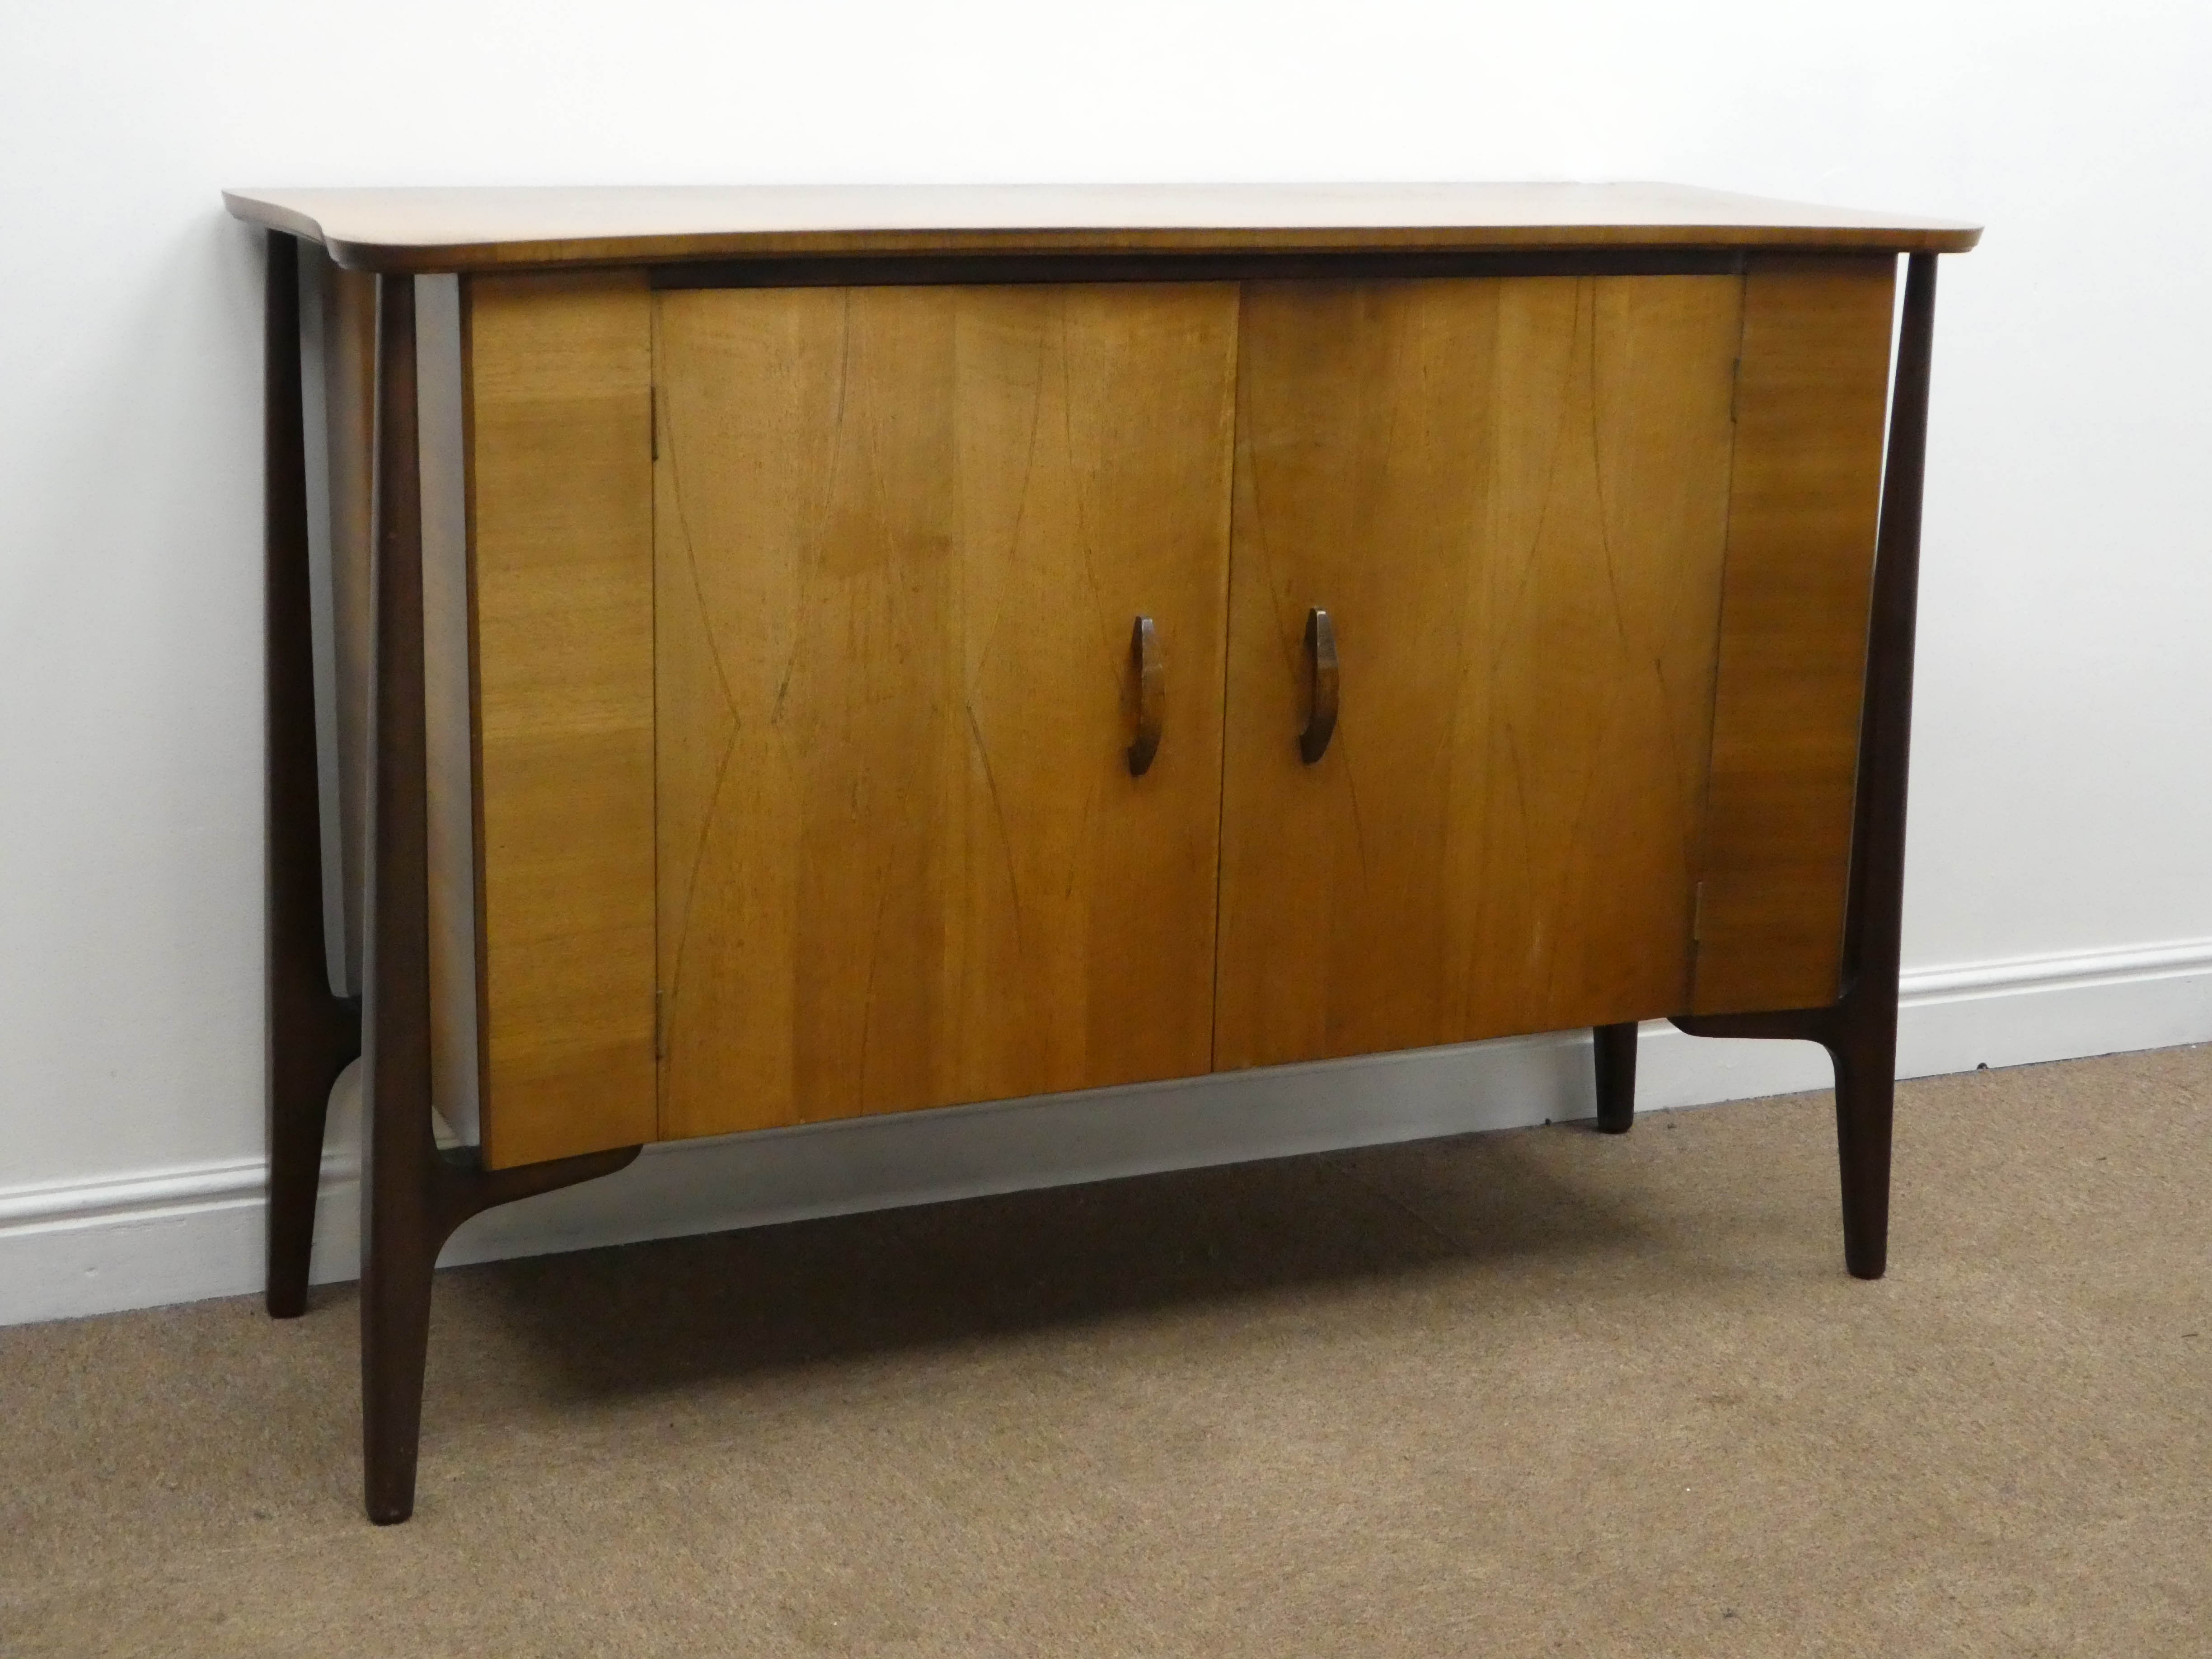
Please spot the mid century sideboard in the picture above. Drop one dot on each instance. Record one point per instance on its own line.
(747, 656)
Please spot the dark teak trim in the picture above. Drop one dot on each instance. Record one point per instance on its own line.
(969, 269)
(397, 1249)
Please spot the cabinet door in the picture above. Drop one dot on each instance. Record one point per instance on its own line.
(901, 537)
(1510, 497)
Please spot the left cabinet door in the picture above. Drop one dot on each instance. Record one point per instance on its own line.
(902, 536)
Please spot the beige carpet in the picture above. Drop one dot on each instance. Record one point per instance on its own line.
(1535, 1393)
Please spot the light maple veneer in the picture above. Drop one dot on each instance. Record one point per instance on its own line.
(561, 505)
(803, 652)
(902, 538)
(1511, 498)
(1804, 495)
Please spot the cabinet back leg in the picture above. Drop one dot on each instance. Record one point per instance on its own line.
(298, 1100)
(1613, 1050)
(312, 1034)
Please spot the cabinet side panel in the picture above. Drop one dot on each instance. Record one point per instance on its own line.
(1807, 491)
(560, 496)
(903, 534)
(1509, 496)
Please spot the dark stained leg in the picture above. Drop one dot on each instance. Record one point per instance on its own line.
(1866, 1091)
(412, 1214)
(312, 1034)
(413, 1196)
(1613, 1049)
(399, 1244)
(1859, 1031)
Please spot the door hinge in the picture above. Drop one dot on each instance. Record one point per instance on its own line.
(652, 421)
(659, 1024)
(1697, 916)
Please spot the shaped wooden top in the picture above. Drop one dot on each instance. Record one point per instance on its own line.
(481, 230)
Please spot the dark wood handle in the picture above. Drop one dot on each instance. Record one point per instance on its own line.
(1149, 675)
(1321, 686)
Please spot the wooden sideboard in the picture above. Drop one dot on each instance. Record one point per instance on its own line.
(741, 658)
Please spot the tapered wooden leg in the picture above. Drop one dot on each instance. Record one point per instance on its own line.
(1613, 1050)
(399, 1238)
(1859, 1029)
(414, 1197)
(303, 1066)
(312, 1034)
(395, 1342)
(1866, 1093)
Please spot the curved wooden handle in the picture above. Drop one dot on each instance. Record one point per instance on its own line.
(1321, 686)
(1149, 675)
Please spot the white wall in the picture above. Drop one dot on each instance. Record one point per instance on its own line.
(2063, 802)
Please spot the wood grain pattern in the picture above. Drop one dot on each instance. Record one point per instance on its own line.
(448, 229)
(902, 536)
(1804, 505)
(1510, 497)
(562, 511)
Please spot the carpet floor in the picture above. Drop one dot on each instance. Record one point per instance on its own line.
(1542, 1392)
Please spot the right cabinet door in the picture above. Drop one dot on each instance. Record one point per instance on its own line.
(1513, 500)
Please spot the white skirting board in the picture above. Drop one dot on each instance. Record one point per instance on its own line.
(176, 1235)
